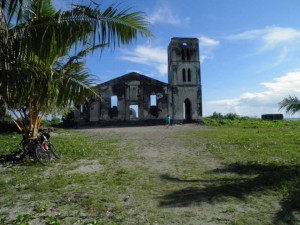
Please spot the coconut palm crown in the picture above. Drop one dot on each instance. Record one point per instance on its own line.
(36, 77)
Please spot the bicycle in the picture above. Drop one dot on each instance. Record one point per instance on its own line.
(43, 138)
(32, 148)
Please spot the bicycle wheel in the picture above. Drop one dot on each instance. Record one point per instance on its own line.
(42, 155)
(54, 151)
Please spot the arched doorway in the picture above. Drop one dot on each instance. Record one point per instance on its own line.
(188, 109)
(133, 112)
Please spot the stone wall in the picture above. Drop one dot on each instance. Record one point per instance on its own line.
(129, 98)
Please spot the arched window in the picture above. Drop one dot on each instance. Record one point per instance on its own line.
(183, 75)
(189, 75)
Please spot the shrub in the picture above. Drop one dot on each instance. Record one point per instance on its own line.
(228, 116)
(216, 115)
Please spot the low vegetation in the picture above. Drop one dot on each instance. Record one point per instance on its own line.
(266, 150)
(52, 194)
(258, 167)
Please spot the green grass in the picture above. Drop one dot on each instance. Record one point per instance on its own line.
(72, 194)
(257, 164)
(265, 151)
(255, 140)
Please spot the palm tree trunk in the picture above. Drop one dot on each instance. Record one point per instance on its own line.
(3, 35)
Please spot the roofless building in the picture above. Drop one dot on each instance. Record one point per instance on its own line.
(136, 97)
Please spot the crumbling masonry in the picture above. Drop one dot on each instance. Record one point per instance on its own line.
(135, 97)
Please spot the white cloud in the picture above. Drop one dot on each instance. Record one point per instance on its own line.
(279, 35)
(208, 42)
(163, 68)
(282, 42)
(151, 56)
(266, 101)
(247, 35)
(164, 14)
(271, 37)
(289, 83)
(207, 45)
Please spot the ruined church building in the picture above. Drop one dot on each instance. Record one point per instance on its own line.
(136, 97)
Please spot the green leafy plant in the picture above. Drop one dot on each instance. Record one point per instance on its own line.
(41, 206)
(22, 219)
(53, 221)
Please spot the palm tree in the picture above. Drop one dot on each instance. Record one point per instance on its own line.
(34, 80)
(290, 104)
(37, 90)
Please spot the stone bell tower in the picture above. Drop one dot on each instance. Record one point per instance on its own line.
(184, 77)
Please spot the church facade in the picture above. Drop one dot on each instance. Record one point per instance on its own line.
(136, 97)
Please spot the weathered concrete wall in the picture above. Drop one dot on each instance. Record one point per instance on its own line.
(179, 97)
(133, 89)
(94, 111)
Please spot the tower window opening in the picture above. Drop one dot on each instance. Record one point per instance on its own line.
(188, 54)
(189, 75)
(183, 75)
(182, 54)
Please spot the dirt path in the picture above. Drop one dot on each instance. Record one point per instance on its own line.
(166, 153)
(158, 146)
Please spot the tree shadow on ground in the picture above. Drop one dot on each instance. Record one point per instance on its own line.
(10, 158)
(14, 158)
(260, 178)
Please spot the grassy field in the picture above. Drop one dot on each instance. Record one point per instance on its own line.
(266, 150)
(260, 164)
(75, 197)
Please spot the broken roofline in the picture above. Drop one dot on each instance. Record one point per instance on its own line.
(134, 76)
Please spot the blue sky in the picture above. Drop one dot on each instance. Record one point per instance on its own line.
(249, 50)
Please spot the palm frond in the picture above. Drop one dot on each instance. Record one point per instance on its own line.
(13, 10)
(83, 53)
(82, 25)
(33, 78)
(290, 104)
